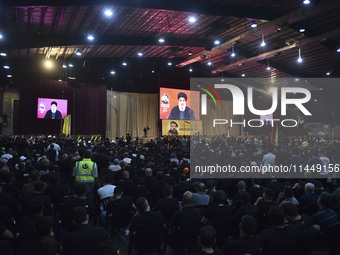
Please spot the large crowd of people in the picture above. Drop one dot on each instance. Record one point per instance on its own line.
(97, 196)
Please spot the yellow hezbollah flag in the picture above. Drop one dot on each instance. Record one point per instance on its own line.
(67, 125)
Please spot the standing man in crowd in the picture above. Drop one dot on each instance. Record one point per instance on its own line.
(56, 147)
(86, 171)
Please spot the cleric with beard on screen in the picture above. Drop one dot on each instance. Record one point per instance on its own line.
(53, 113)
(181, 111)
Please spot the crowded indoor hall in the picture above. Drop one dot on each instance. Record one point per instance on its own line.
(169, 127)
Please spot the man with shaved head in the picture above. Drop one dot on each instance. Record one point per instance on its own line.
(188, 214)
(200, 197)
(148, 180)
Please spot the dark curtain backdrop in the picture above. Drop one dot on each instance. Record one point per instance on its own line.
(86, 104)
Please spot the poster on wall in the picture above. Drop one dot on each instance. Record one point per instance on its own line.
(181, 127)
(179, 104)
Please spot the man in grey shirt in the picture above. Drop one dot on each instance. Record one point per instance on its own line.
(200, 197)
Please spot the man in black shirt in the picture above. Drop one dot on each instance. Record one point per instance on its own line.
(119, 211)
(217, 210)
(207, 239)
(85, 239)
(145, 218)
(264, 204)
(101, 159)
(126, 183)
(302, 226)
(247, 243)
(148, 180)
(219, 215)
(276, 186)
(278, 239)
(167, 205)
(256, 190)
(246, 209)
(182, 186)
(77, 200)
(187, 214)
(146, 227)
(38, 192)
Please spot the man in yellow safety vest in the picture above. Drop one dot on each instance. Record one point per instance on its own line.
(86, 171)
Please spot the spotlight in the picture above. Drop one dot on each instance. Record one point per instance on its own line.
(190, 70)
(9, 76)
(124, 63)
(315, 100)
(113, 72)
(190, 53)
(209, 63)
(232, 52)
(243, 75)
(108, 13)
(217, 42)
(1, 36)
(169, 63)
(90, 37)
(302, 30)
(161, 40)
(78, 53)
(70, 65)
(268, 68)
(153, 71)
(263, 43)
(64, 66)
(140, 54)
(192, 19)
(59, 80)
(328, 73)
(3, 54)
(299, 60)
(6, 67)
(338, 50)
(48, 64)
(306, 2)
(253, 24)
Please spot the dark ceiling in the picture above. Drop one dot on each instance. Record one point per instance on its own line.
(34, 32)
